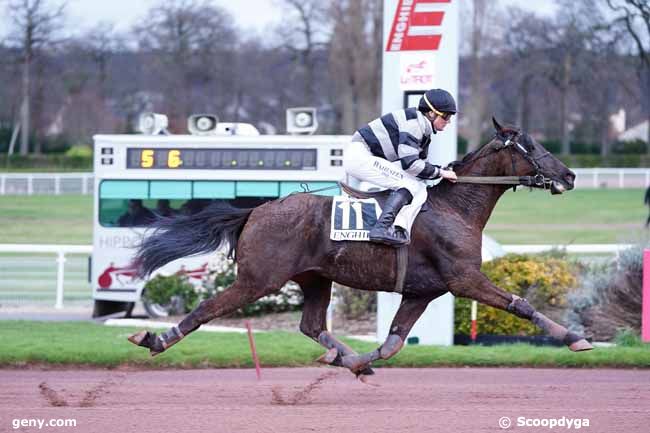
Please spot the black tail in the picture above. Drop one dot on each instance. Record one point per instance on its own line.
(183, 236)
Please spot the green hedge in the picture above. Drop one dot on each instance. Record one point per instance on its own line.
(544, 280)
(47, 162)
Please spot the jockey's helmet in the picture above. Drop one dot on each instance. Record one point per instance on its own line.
(437, 100)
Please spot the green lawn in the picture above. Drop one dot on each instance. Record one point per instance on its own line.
(583, 216)
(93, 344)
(46, 219)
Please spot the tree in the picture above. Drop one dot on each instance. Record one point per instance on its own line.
(355, 57)
(305, 33)
(185, 45)
(34, 26)
(634, 17)
(482, 42)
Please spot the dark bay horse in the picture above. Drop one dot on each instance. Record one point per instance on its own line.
(288, 239)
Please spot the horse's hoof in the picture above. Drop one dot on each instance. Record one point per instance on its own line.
(580, 345)
(329, 356)
(367, 379)
(139, 338)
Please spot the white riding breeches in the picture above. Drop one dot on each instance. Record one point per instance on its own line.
(359, 162)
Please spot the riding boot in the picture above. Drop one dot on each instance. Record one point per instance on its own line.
(383, 231)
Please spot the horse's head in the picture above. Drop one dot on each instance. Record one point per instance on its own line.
(515, 153)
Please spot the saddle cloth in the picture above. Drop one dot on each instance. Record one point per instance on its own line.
(352, 218)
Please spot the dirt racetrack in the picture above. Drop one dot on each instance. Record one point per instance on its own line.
(324, 400)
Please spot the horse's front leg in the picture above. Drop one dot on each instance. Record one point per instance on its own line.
(408, 313)
(317, 292)
(475, 285)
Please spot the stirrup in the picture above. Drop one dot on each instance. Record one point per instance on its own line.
(392, 236)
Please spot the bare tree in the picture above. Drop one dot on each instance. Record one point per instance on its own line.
(305, 33)
(356, 60)
(483, 34)
(187, 43)
(34, 26)
(634, 17)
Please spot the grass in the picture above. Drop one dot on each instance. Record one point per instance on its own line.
(77, 343)
(46, 219)
(536, 217)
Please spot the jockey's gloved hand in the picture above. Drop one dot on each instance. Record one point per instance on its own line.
(448, 174)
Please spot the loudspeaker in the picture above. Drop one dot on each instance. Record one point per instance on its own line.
(202, 124)
(301, 120)
(153, 124)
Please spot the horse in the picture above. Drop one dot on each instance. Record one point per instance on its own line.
(288, 239)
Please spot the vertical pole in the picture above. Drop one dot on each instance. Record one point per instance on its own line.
(251, 341)
(647, 178)
(330, 311)
(57, 185)
(473, 330)
(30, 185)
(2, 184)
(84, 184)
(621, 181)
(60, 260)
(645, 310)
(595, 178)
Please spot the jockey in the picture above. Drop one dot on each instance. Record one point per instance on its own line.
(403, 136)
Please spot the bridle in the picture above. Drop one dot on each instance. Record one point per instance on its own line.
(538, 180)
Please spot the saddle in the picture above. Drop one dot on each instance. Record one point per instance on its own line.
(380, 196)
(401, 253)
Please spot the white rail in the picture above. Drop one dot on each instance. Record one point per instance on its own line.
(45, 183)
(81, 183)
(59, 250)
(62, 250)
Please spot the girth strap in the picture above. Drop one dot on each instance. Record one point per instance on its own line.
(402, 263)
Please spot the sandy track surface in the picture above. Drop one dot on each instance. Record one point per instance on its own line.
(323, 400)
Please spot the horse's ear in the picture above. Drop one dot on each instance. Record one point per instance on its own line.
(498, 127)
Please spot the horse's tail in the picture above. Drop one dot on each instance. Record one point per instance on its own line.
(189, 235)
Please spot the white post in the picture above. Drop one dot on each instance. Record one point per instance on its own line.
(57, 185)
(647, 178)
(30, 185)
(3, 179)
(84, 184)
(621, 183)
(60, 260)
(595, 178)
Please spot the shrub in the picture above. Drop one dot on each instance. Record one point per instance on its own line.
(79, 151)
(543, 280)
(610, 298)
(166, 291)
(222, 274)
(354, 303)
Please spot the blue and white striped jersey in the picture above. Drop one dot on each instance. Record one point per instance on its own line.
(402, 135)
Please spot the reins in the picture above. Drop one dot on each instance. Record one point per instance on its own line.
(536, 180)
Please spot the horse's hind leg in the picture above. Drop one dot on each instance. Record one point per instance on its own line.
(317, 292)
(408, 313)
(243, 291)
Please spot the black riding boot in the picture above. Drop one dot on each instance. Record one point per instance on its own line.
(383, 231)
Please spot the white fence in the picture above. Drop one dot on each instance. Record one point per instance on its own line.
(45, 183)
(28, 279)
(27, 272)
(82, 183)
(612, 177)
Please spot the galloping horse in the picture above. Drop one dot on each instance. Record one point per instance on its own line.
(288, 239)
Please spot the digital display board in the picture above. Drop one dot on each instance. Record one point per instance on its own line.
(220, 159)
